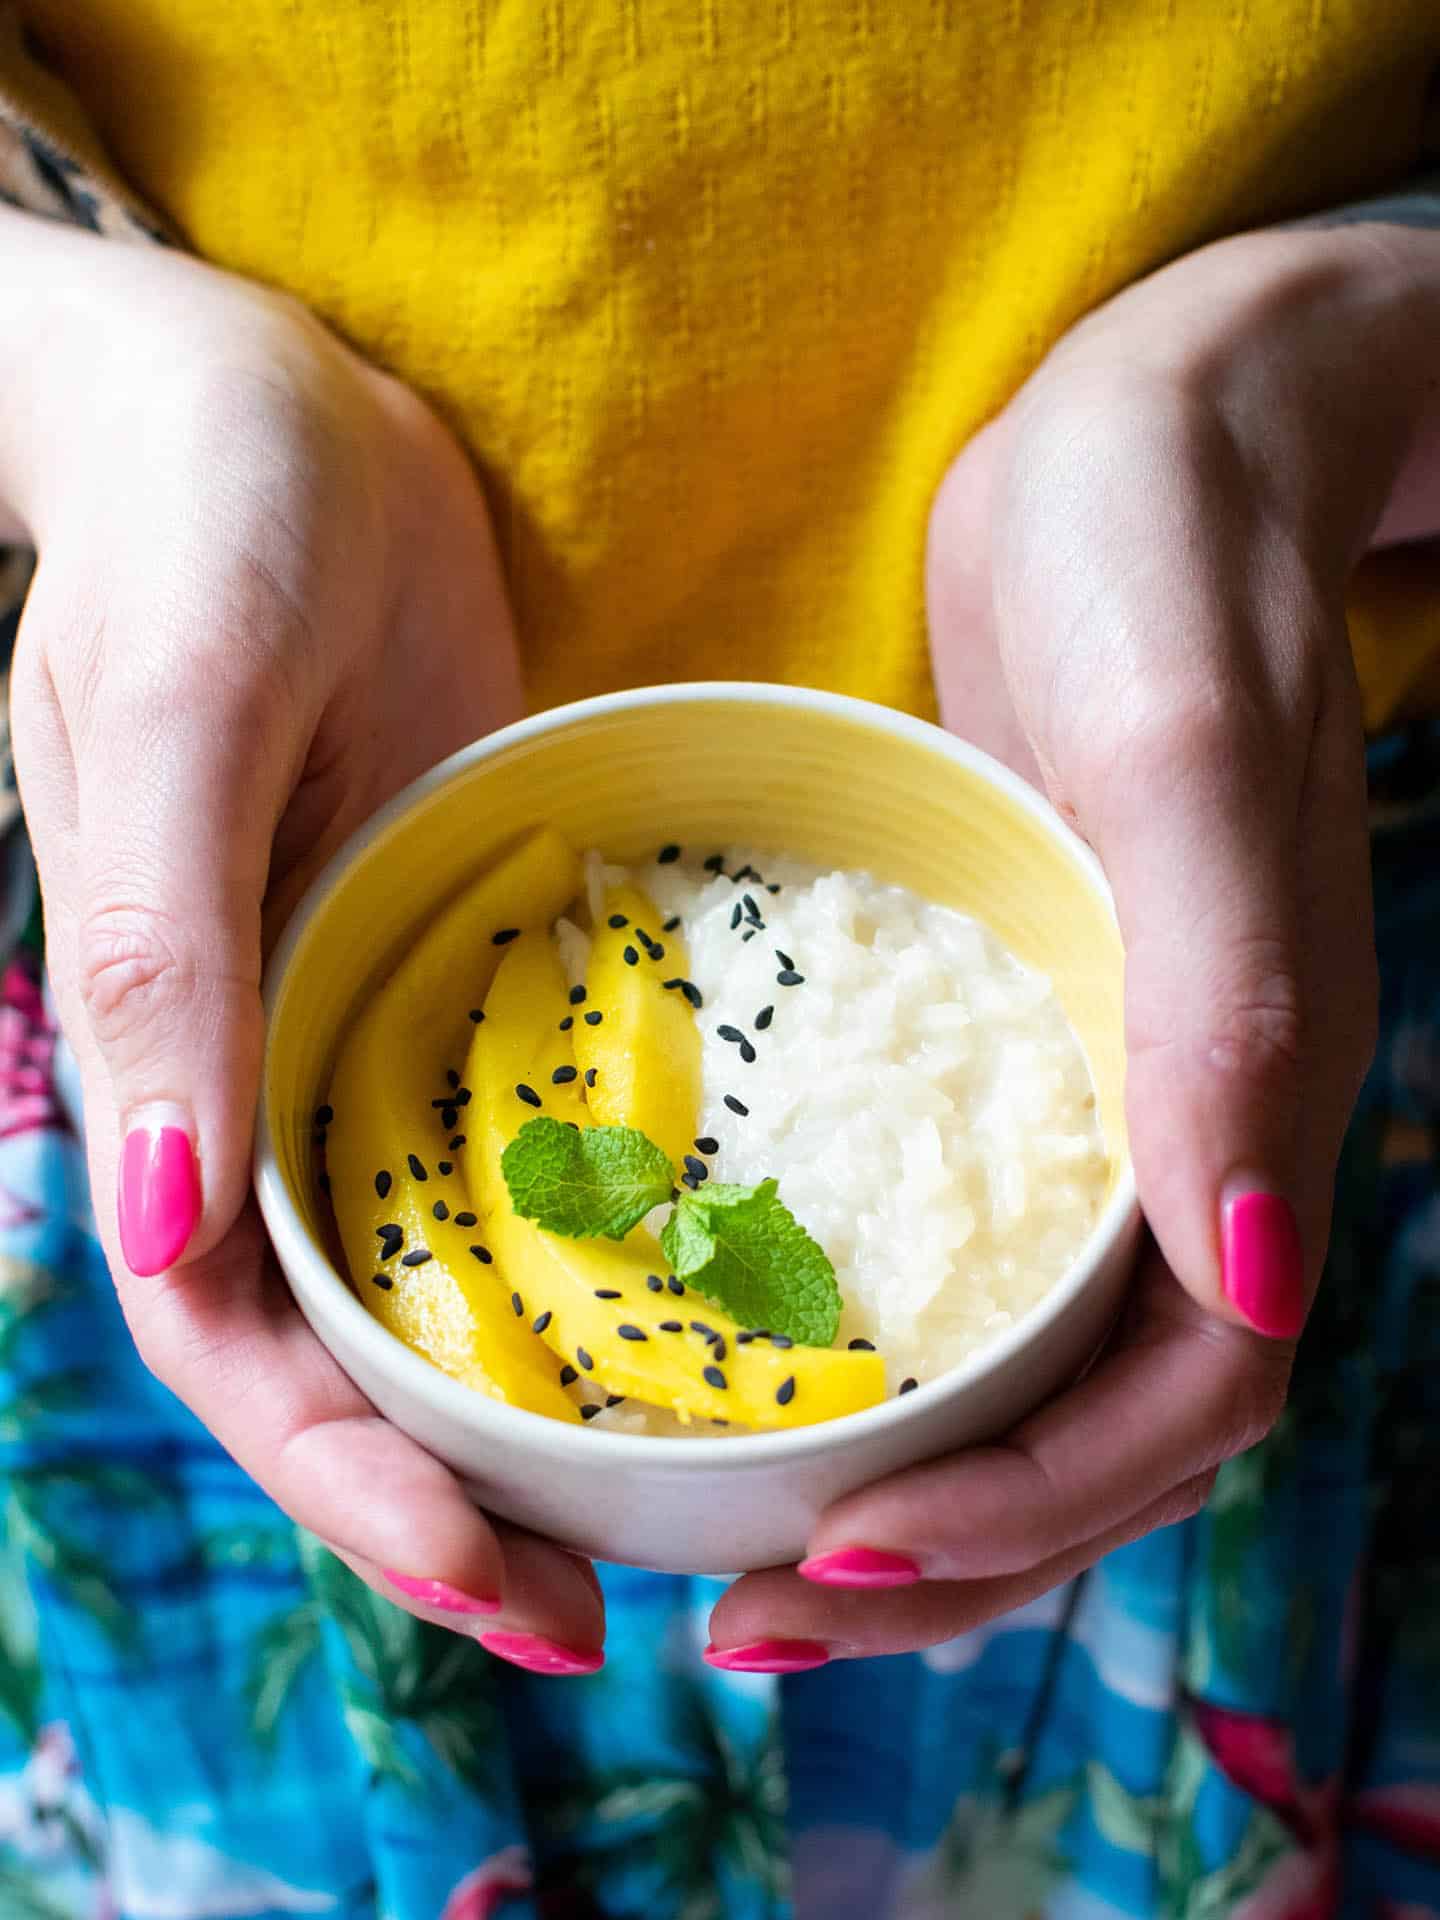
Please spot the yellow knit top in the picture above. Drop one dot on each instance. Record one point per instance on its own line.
(715, 289)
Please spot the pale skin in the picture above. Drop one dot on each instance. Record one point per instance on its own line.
(268, 597)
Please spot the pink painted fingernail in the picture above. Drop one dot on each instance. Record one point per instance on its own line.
(538, 1655)
(159, 1199)
(769, 1656)
(439, 1593)
(1262, 1263)
(860, 1567)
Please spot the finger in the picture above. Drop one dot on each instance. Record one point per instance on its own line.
(223, 1332)
(550, 1620)
(775, 1622)
(155, 914)
(1176, 1392)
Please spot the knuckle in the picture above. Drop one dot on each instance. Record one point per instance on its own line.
(131, 970)
(1254, 1020)
(1253, 1398)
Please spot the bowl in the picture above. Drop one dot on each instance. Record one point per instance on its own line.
(835, 781)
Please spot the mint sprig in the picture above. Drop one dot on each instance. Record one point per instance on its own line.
(744, 1249)
(587, 1184)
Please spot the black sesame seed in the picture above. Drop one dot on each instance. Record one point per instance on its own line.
(577, 996)
(785, 1392)
(747, 936)
(713, 1377)
(449, 1118)
(718, 1348)
(909, 1386)
(733, 1034)
(654, 1283)
(677, 1287)
(607, 1293)
(382, 1183)
(416, 1257)
(324, 1115)
(655, 950)
(444, 1166)
(671, 924)
(763, 1018)
(452, 1079)
(667, 854)
(593, 1019)
(589, 1410)
(862, 1346)
(483, 1255)
(689, 1181)
(541, 1321)
(382, 1280)
(747, 872)
(628, 1332)
(692, 994)
(707, 1144)
(614, 1399)
(744, 1339)
(773, 886)
(528, 1095)
(562, 1076)
(568, 1375)
(752, 912)
(464, 1219)
(567, 1023)
(519, 1305)
(477, 1014)
(783, 958)
(505, 936)
(391, 1238)
(590, 1076)
(715, 864)
(586, 1363)
(630, 957)
(618, 920)
(747, 1053)
(788, 977)
(736, 1106)
(781, 1340)
(699, 1326)
(735, 918)
(697, 1167)
(417, 1168)
(456, 1144)
(671, 1326)
(462, 1098)
(574, 1125)
(440, 1210)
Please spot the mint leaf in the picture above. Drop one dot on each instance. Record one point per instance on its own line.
(585, 1183)
(744, 1249)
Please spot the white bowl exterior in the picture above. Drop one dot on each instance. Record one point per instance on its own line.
(694, 1506)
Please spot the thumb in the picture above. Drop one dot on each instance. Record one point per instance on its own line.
(169, 874)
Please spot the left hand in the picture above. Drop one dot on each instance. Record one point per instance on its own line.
(1136, 590)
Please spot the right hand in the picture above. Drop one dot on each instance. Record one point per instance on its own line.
(267, 597)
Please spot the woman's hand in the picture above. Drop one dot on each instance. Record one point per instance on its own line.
(267, 598)
(1136, 584)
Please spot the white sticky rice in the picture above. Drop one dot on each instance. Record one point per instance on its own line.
(919, 1095)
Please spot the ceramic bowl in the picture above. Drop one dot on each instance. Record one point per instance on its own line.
(835, 781)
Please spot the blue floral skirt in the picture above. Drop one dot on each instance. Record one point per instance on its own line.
(204, 1715)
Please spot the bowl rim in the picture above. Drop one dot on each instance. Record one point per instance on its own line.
(486, 1420)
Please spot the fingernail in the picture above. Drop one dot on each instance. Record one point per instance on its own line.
(538, 1655)
(159, 1198)
(860, 1567)
(769, 1656)
(439, 1593)
(1262, 1263)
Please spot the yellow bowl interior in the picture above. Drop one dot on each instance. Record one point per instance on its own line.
(818, 784)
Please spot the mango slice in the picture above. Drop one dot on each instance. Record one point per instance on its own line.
(608, 1309)
(393, 1118)
(644, 1054)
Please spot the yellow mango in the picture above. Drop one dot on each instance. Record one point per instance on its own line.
(389, 1076)
(582, 1293)
(644, 1054)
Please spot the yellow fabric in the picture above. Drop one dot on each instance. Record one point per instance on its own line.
(715, 288)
